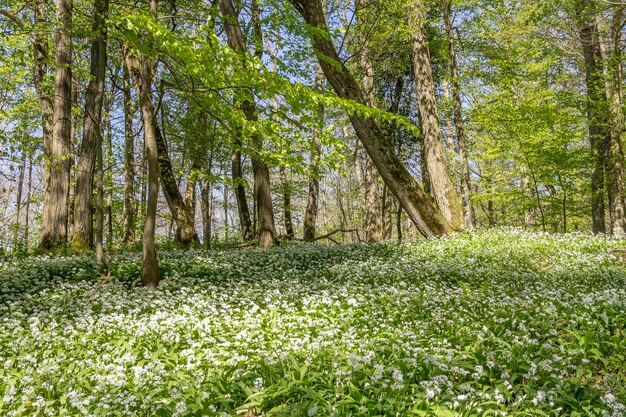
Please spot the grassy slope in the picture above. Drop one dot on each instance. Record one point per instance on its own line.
(485, 323)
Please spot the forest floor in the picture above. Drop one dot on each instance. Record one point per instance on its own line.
(499, 322)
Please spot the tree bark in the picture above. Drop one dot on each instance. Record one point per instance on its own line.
(441, 186)
(466, 198)
(373, 216)
(599, 133)
(128, 234)
(57, 187)
(409, 193)
(94, 95)
(141, 72)
(262, 193)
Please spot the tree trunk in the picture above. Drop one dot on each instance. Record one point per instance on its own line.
(399, 223)
(206, 202)
(387, 213)
(128, 235)
(614, 94)
(245, 222)
(441, 186)
(205, 207)
(109, 175)
(262, 193)
(18, 200)
(286, 188)
(392, 133)
(190, 191)
(39, 41)
(27, 209)
(466, 198)
(310, 215)
(596, 108)
(100, 259)
(373, 216)
(185, 228)
(409, 193)
(83, 206)
(141, 72)
(225, 194)
(56, 193)
(83, 203)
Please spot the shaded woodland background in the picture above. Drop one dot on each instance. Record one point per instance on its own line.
(230, 121)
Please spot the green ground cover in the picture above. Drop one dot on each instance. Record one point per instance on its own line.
(499, 322)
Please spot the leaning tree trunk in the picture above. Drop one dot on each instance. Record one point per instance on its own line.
(263, 196)
(373, 216)
(185, 225)
(599, 133)
(128, 235)
(83, 191)
(417, 204)
(466, 198)
(441, 186)
(140, 70)
(58, 166)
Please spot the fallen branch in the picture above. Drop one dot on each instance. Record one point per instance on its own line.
(329, 234)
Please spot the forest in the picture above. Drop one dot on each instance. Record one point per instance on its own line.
(312, 207)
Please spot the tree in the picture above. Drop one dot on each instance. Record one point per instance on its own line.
(58, 166)
(466, 198)
(86, 158)
(129, 159)
(411, 196)
(597, 111)
(613, 59)
(441, 186)
(264, 208)
(374, 216)
(313, 195)
(141, 71)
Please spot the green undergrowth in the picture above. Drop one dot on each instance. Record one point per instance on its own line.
(484, 323)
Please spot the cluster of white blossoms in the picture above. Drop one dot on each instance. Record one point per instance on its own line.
(503, 320)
